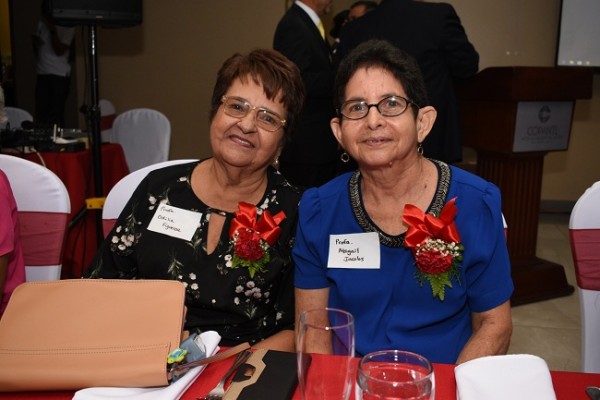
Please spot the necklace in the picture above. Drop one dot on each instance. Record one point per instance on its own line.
(367, 224)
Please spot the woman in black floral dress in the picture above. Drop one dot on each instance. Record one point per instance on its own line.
(224, 226)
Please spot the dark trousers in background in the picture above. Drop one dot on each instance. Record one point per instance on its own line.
(51, 93)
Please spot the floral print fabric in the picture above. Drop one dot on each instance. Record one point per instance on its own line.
(218, 297)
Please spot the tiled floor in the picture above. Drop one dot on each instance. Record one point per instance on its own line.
(550, 329)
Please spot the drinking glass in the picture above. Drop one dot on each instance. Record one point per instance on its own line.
(326, 331)
(395, 375)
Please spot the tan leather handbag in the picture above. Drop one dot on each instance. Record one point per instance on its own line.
(72, 334)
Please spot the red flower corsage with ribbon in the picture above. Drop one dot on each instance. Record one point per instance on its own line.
(435, 244)
(251, 238)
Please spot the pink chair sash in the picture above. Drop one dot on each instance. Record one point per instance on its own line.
(42, 236)
(106, 121)
(585, 245)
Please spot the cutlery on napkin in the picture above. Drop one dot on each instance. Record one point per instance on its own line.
(172, 392)
(515, 377)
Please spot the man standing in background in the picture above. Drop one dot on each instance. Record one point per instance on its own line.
(311, 157)
(52, 46)
(433, 34)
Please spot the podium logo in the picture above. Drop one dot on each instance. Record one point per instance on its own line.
(542, 126)
(544, 114)
(543, 130)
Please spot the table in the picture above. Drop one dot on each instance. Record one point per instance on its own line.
(567, 385)
(75, 169)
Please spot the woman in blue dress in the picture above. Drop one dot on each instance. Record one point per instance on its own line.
(412, 247)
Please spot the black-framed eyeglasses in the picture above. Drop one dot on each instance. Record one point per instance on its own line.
(390, 106)
(238, 108)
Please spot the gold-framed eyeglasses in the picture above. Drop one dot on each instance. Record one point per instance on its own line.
(238, 108)
(390, 106)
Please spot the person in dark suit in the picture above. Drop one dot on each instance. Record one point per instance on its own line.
(433, 34)
(311, 157)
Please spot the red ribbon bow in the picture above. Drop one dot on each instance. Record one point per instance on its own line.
(423, 226)
(265, 228)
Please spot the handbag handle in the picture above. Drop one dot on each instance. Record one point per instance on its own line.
(181, 369)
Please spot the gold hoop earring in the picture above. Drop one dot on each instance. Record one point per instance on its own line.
(344, 157)
(420, 148)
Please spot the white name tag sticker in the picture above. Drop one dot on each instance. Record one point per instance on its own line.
(175, 222)
(354, 250)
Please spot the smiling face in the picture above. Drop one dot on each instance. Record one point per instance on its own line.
(376, 141)
(239, 141)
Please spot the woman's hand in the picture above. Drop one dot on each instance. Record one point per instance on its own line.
(282, 341)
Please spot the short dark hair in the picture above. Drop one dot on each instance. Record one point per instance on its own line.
(382, 54)
(269, 69)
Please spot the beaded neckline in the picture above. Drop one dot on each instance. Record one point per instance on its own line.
(368, 225)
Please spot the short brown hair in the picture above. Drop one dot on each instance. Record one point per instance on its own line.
(270, 69)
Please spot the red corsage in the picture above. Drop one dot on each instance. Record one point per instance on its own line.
(435, 244)
(252, 239)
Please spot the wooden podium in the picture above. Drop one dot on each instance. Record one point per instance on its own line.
(512, 117)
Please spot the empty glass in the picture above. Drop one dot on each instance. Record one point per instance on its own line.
(326, 331)
(395, 375)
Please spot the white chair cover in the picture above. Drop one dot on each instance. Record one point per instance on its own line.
(107, 117)
(16, 116)
(145, 135)
(44, 208)
(584, 230)
(122, 191)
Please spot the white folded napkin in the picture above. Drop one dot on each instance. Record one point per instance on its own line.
(172, 392)
(514, 377)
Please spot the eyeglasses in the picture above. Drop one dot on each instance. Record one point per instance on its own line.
(390, 106)
(238, 108)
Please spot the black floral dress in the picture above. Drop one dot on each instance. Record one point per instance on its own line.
(218, 297)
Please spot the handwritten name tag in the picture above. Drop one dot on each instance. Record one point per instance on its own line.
(354, 250)
(175, 222)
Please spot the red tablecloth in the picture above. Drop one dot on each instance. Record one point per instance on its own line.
(567, 385)
(75, 169)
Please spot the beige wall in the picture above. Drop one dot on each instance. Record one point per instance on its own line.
(170, 61)
(524, 33)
